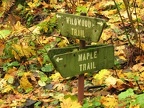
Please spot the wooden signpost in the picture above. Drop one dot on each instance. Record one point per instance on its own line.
(77, 60)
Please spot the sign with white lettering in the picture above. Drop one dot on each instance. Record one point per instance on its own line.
(81, 27)
(75, 62)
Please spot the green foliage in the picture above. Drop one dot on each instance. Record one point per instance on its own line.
(130, 98)
(37, 104)
(47, 68)
(92, 103)
(126, 97)
(44, 55)
(73, 97)
(43, 77)
(8, 49)
(126, 94)
(29, 19)
(48, 26)
(139, 100)
(6, 66)
(81, 9)
(4, 33)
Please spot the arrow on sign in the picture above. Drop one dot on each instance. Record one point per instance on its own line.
(58, 16)
(58, 59)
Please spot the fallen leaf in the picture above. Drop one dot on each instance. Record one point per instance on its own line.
(60, 87)
(41, 83)
(45, 5)
(56, 77)
(22, 50)
(100, 77)
(110, 81)
(107, 34)
(126, 94)
(63, 43)
(69, 103)
(9, 78)
(134, 106)
(4, 33)
(40, 60)
(25, 84)
(140, 59)
(7, 89)
(109, 101)
(18, 28)
(138, 67)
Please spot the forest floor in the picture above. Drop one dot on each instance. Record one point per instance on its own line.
(28, 79)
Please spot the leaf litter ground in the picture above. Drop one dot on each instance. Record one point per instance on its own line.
(29, 80)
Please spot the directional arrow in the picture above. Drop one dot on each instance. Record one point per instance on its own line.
(58, 59)
(58, 16)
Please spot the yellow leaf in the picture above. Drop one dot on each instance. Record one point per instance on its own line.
(109, 101)
(135, 106)
(7, 89)
(69, 103)
(9, 78)
(53, 1)
(33, 4)
(56, 77)
(19, 28)
(63, 43)
(27, 74)
(25, 84)
(139, 2)
(21, 50)
(35, 30)
(1, 102)
(6, 4)
(3, 83)
(40, 60)
(35, 1)
(102, 74)
(109, 12)
(100, 77)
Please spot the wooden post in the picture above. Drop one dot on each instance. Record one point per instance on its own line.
(81, 79)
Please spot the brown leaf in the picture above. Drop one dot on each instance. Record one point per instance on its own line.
(138, 67)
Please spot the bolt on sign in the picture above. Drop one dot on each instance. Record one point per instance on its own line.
(72, 61)
(80, 27)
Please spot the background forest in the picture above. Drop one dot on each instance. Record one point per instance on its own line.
(28, 30)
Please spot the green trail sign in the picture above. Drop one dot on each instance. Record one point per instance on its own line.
(81, 27)
(72, 61)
